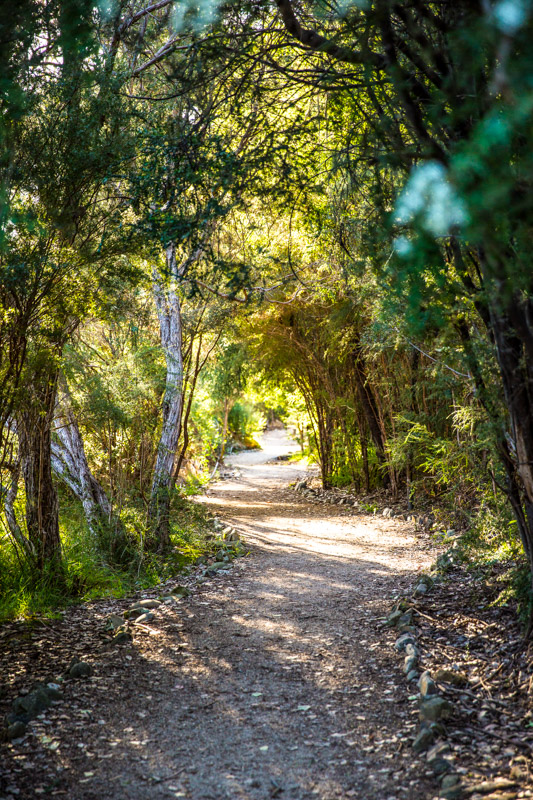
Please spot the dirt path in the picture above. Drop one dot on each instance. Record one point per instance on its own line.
(275, 680)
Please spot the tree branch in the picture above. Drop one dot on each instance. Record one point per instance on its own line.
(315, 41)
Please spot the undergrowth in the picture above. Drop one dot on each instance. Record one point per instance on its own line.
(490, 546)
(95, 567)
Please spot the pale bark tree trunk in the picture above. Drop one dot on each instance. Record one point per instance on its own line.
(167, 301)
(9, 496)
(69, 462)
(224, 429)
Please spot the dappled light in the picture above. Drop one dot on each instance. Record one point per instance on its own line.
(266, 400)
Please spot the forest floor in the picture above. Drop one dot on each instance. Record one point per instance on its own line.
(276, 678)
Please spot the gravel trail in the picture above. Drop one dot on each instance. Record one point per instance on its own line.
(274, 680)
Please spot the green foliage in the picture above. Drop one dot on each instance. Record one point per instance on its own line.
(491, 540)
(372, 220)
(100, 567)
(245, 422)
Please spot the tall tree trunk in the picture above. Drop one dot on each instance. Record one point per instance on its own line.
(515, 455)
(516, 369)
(9, 496)
(370, 410)
(69, 462)
(168, 308)
(224, 428)
(42, 513)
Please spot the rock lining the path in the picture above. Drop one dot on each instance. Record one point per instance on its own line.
(440, 717)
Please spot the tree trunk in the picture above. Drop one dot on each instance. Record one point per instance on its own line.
(224, 429)
(516, 376)
(515, 361)
(370, 410)
(42, 514)
(169, 312)
(10, 495)
(70, 464)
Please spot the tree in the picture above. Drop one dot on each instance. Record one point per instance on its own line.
(442, 93)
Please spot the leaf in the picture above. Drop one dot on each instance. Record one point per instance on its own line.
(303, 708)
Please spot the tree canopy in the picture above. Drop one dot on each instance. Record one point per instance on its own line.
(216, 215)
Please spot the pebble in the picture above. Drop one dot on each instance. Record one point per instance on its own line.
(435, 708)
(410, 664)
(427, 685)
(403, 641)
(80, 669)
(16, 730)
(424, 740)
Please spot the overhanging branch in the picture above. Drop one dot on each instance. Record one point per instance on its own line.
(315, 41)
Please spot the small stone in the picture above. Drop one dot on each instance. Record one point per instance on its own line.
(394, 618)
(16, 730)
(122, 637)
(218, 565)
(53, 691)
(427, 685)
(413, 675)
(437, 728)
(424, 740)
(80, 669)
(403, 628)
(32, 704)
(402, 642)
(439, 765)
(437, 750)
(150, 603)
(435, 708)
(451, 787)
(113, 622)
(411, 650)
(420, 589)
(410, 664)
(134, 612)
(406, 619)
(451, 676)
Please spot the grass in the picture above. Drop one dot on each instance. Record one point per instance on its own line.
(91, 572)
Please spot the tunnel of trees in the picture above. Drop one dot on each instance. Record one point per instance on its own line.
(213, 215)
